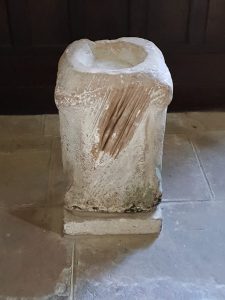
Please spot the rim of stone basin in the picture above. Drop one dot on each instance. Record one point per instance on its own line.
(120, 56)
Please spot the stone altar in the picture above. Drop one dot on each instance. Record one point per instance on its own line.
(112, 97)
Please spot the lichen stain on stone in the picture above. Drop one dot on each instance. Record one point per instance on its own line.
(140, 198)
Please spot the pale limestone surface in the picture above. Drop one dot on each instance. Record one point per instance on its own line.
(81, 223)
(112, 98)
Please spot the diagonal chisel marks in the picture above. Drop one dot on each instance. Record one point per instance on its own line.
(118, 123)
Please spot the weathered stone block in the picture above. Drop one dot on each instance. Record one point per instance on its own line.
(112, 98)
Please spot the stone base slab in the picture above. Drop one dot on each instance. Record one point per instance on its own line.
(81, 223)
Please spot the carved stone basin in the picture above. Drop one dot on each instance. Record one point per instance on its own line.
(106, 56)
(112, 98)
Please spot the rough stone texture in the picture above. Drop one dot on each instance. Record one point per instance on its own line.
(101, 224)
(112, 98)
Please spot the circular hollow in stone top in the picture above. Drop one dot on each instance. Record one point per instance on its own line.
(106, 55)
(117, 55)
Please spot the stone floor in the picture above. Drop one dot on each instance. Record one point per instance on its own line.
(186, 261)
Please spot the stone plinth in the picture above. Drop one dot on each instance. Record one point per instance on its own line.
(80, 223)
(112, 98)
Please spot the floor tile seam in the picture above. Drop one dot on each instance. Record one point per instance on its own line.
(50, 171)
(74, 271)
(51, 206)
(218, 200)
(25, 151)
(24, 135)
(192, 132)
(201, 166)
(51, 135)
(34, 206)
(174, 133)
(184, 200)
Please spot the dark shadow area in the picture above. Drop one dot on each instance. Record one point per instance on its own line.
(30, 49)
(47, 218)
(33, 262)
